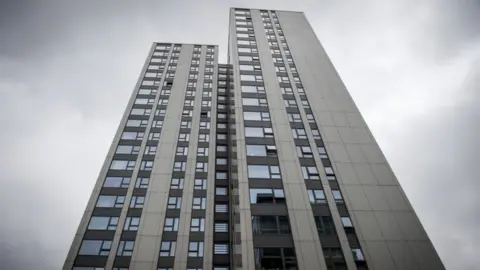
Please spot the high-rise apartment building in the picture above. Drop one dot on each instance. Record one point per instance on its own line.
(262, 163)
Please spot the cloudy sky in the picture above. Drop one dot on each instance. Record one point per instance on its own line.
(67, 70)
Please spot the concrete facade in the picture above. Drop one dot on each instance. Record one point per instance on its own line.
(265, 163)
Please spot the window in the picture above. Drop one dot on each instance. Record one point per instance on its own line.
(181, 151)
(316, 196)
(122, 165)
(220, 249)
(165, 92)
(256, 116)
(189, 102)
(157, 124)
(221, 227)
(251, 78)
(136, 123)
(310, 118)
(239, 35)
(221, 136)
(316, 134)
(150, 83)
(187, 113)
(286, 90)
(270, 225)
(179, 166)
(171, 224)
(358, 254)
(199, 203)
(202, 151)
(163, 102)
(267, 195)
(150, 150)
(197, 225)
(110, 201)
(207, 85)
(304, 152)
(322, 152)
(183, 137)
(117, 182)
(160, 112)
(103, 223)
(131, 224)
(142, 182)
(177, 183)
(167, 248)
(246, 67)
(203, 137)
(310, 173)
(206, 103)
(195, 249)
(204, 125)
(305, 104)
(346, 222)
(221, 125)
(222, 148)
(136, 111)
(275, 258)
(324, 225)
(299, 133)
(221, 208)
(125, 248)
(221, 175)
(263, 171)
(294, 117)
(132, 135)
(200, 184)
(221, 191)
(332, 254)
(201, 167)
(290, 103)
(277, 60)
(283, 79)
(174, 202)
(337, 195)
(95, 247)
(252, 89)
(261, 150)
(258, 132)
(329, 171)
(137, 202)
(222, 161)
(207, 94)
(280, 68)
(154, 136)
(146, 165)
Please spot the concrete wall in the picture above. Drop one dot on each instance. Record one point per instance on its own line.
(389, 231)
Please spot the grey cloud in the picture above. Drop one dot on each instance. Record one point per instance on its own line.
(68, 69)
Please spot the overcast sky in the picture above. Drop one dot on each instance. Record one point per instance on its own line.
(67, 71)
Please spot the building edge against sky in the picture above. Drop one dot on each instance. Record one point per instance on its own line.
(264, 162)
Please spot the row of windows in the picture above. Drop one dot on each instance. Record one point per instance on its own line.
(124, 268)
(195, 249)
(125, 248)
